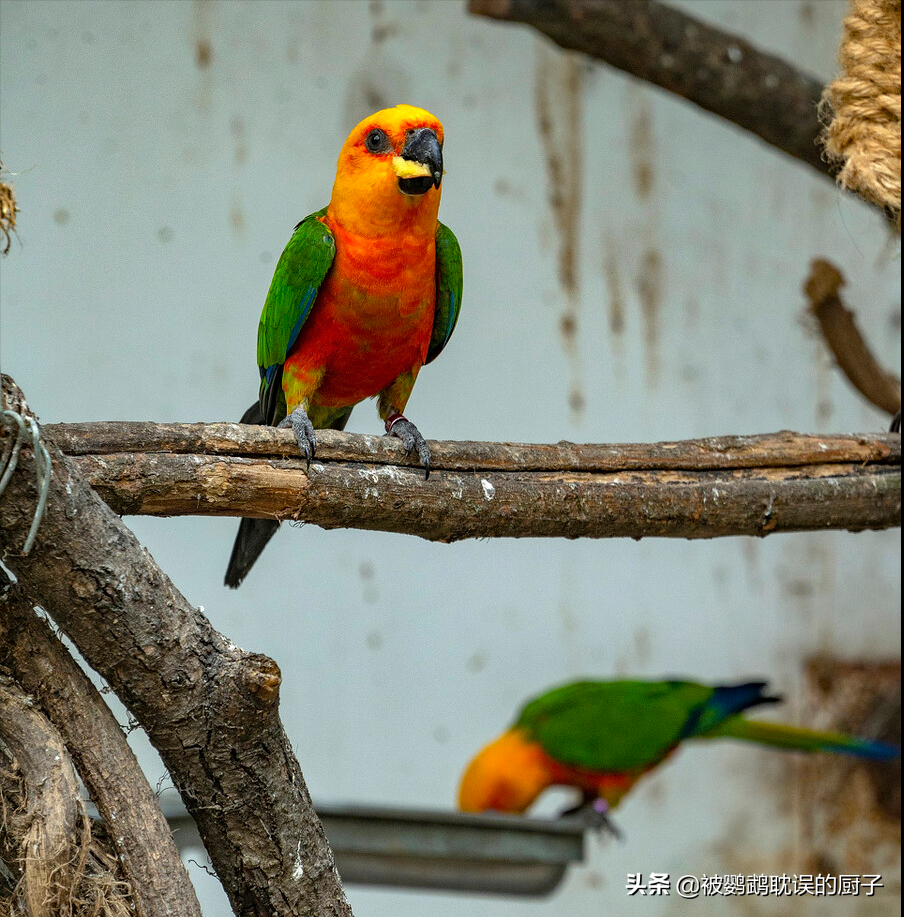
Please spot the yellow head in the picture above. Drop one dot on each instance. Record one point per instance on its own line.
(389, 173)
(508, 775)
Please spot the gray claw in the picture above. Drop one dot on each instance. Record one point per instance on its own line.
(411, 437)
(303, 429)
(599, 818)
(594, 814)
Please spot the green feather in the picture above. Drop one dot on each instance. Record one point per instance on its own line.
(612, 726)
(448, 290)
(778, 735)
(625, 726)
(299, 273)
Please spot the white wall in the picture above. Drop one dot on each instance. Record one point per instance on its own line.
(155, 196)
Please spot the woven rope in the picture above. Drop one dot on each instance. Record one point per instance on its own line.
(864, 104)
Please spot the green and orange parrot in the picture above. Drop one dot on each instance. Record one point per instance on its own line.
(367, 291)
(601, 737)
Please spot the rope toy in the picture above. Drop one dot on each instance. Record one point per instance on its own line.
(862, 106)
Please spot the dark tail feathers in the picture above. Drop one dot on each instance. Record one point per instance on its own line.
(255, 533)
(726, 701)
(251, 540)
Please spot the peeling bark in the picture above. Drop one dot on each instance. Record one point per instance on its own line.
(210, 708)
(138, 832)
(53, 843)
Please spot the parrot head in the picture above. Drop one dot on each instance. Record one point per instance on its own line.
(389, 171)
(507, 775)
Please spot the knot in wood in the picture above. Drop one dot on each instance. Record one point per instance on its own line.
(83, 586)
(262, 677)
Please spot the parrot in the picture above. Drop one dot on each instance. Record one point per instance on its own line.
(367, 291)
(601, 737)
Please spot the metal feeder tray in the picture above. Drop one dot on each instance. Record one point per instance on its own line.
(451, 851)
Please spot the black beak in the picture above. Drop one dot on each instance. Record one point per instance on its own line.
(422, 145)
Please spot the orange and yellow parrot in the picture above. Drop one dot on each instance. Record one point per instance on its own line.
(601, 737)
(367, 291)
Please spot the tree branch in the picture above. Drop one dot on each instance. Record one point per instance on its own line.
(696, 489)
(210, 708)
(138, 832)
(46, 840)
(56, 821)
(853, 356)
(718, 71)
(769, 450)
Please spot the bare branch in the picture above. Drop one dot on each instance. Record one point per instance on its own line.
(853, 356)
(138, 831)
(716, 70)
(721, 486)
(210, 708)
(770, 450)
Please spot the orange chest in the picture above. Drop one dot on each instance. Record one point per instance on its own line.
(381, 287)
(373, 316)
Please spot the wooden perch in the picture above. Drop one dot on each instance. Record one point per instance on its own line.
(843, 338)
(139, 834)
(697, 489)
(716, 70)
(210, 708)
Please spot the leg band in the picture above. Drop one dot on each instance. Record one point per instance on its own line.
(392, 420)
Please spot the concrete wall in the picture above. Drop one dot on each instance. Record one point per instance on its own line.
(165, 151)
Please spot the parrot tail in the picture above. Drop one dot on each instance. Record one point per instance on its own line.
(794, 738)
(725, 702)
(254, 534)
(251, 540)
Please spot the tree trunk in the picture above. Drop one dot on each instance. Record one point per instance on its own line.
(210, 708)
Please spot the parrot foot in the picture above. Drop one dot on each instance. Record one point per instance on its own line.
(399, 425)
(594, 814)
(303, 429)
(895, 423)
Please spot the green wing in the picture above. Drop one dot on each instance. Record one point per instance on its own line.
(448, 290)
(296, 281)
(613, 726)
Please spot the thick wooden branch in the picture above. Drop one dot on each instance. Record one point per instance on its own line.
(697, 489)
(844, 340)
(716, 70)
(54, 821)
(210, 708)
(138, 832)
(55, 863)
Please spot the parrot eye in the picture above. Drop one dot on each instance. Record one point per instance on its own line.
(376, 141)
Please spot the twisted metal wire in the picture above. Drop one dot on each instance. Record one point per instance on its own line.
(26, 426)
